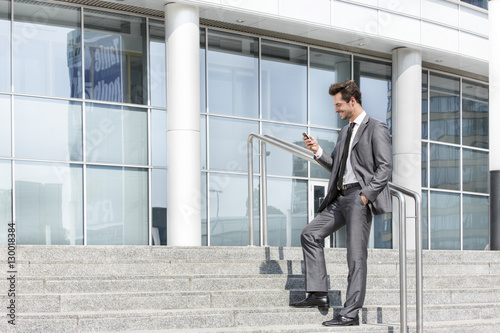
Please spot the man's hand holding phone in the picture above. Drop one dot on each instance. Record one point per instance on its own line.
(311, 142)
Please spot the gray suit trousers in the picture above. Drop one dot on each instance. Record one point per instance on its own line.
(347, 209)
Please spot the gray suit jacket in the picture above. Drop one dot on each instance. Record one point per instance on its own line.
(371, 159)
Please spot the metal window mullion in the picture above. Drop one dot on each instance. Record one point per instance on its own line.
(148, 136)
(461, 165)
(84, 127)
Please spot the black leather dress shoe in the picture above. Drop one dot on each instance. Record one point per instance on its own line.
(313, 301)
(342, 321)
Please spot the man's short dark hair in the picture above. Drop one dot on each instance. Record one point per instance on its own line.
(347, 89)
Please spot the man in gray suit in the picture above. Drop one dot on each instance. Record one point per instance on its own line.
(357, 190)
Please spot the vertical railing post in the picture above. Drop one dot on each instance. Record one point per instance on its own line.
(250, 189)
(402, 261)
(263, 194)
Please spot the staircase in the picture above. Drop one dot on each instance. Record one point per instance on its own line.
(236, 289)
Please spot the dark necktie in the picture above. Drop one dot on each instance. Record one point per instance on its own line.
(345, 153)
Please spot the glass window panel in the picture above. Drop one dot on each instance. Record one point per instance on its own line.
(444, 109)
(444, 167)
(159, 206)
(374, 79)
(157, 76)
(286, 211)
(475, 115)
(284, 82)
(424, 165)
(425, 106)
(327, 140)
(203, 135)
(56, 125)
(475, 171)
(280, 162)
(476, 222)
(228, 143)
(425, 220)
(116, 134)
(117, 206)
(326, 68)
(204, 210)
(445, 221)
(233, 74)
(47, 54)
(115, 61)
(5, 126)
(382, 231)
(5, 45)
(229, 210)
(159, 137)
(49, 203)
(203, 95)
(5, 199)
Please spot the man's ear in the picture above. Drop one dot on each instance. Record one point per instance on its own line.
(352, 101)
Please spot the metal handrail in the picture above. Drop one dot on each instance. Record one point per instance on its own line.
(396, 190)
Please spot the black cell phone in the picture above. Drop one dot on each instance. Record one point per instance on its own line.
(305, 135)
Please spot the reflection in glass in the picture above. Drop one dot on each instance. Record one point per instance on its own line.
(475, 171)
(475, 115)
(286, 211)
(280, 162)
(425, 105)
(56, 125)
(204, 209)
(5, 45)
(327, 140)
(203, 134)
(425, 220)
(444, 109)
(228, 143)
(115, 58)
(117, 206)
(382, 231)
(326, 68)
(475, 222)
(284, 82)
(444, 167)
(374, 79)
(424, 165)
(57, 70)
(159, 137)
(157, 71)
(5, 199)
(5, 126)
(233, 74)
(445, 221)
(159, 206)
(203, 67)
(116, 134)
(229, 210)
(49, 203)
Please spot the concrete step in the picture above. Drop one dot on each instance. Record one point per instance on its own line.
(151, 283)
(232, 299)
(373, 319)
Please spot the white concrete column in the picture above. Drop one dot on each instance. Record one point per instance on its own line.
(494, 120)
(183, 125)
(406, 131)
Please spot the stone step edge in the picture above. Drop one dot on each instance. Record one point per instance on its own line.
(211, 311)
(241, 291)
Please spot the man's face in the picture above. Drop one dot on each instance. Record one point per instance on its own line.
(343, 108)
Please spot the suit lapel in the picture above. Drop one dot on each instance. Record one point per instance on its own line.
(360, 131)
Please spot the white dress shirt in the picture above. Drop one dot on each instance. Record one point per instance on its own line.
(349, 176)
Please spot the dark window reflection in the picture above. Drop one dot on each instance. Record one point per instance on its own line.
(475, 113)
(444, 109)
(115, 61)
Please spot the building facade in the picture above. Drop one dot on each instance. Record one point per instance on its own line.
(126, 123)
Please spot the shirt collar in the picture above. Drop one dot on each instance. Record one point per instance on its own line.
(360, 118)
